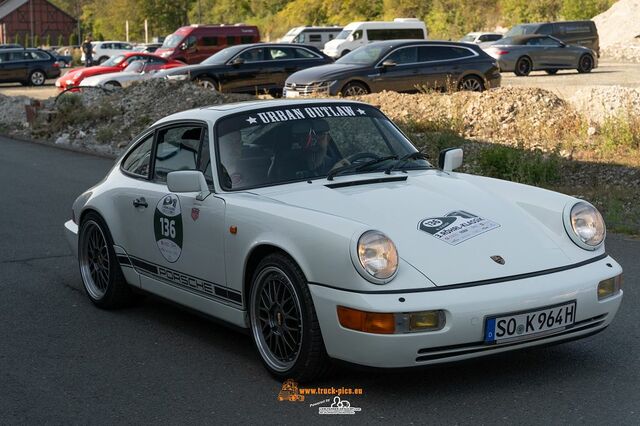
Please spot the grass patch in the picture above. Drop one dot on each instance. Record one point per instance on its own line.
(518, 165)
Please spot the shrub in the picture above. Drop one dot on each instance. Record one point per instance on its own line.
(517, 165)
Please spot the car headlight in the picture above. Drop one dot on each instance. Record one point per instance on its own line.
(375, 257)
(584, 225)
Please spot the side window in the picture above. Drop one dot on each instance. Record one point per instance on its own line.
(105, 46)
(548, 41)
(231, 40)
(357, 35)
(137, 161)
(534, 42)
(191, 42)
(494, 37)
(315, 38)
(126, 46)
(407, 55)
(209, 41)
(299, 38)
(546, 29)
(177, 149)
(280, 53)
(3, 57)
(246, 39)
(252, 55)
(442, 53)
(304, 53)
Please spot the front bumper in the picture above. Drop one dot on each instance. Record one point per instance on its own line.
(71, 233)
(466, 309)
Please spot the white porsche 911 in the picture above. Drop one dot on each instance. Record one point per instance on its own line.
(318, 226)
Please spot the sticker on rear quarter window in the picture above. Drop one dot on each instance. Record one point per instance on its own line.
(167, 227)
(456, 227)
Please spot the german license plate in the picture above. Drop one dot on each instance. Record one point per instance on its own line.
(509, 328)
(292, 94)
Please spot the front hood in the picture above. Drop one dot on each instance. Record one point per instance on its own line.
(324, 73)
(194, 68)
(112, 76)
(484, 221)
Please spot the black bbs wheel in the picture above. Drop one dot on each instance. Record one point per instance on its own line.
(101, 274)
(585, 64)
(284, 325)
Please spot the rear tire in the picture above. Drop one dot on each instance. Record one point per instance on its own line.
(585, 64)
(112, 85)
(471, 83)
(523, 67)
(100, 271)
(283, 321)
(552, 71)
(354, 89)
(37, 78)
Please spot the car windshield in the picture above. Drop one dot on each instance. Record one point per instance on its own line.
(172, 40)
(223, 56)
(113, 61)
(304, 142)
(521, 30)
(343, 35)
(468, 37)
(366, 55)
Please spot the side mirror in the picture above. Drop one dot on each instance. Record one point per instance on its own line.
(450, 159)
(183, 46)
(237, 61)
(188, 181)
(389, 63)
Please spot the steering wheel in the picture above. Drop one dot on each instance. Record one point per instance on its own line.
(361, 156)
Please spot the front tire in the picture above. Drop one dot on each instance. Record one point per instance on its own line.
(208, 83)
(523, 67)
(355, 89)
(585, 64)
(101, 275)
(284, 324)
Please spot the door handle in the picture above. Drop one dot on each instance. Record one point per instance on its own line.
(140, 202)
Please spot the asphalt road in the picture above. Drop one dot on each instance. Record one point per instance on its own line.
(63, 361)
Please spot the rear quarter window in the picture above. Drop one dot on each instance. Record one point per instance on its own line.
(137, 162)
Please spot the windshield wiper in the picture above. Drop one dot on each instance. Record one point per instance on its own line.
(416, 155)
(357, 166)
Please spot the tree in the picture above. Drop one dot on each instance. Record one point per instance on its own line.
(59, 40)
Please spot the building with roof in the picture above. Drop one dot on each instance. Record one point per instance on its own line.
(34, 18)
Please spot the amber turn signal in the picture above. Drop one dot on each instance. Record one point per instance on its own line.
(368, 322)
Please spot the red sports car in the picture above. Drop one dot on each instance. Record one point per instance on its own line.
(114, 64)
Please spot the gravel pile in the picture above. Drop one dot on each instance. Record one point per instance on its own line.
(598, 103)
(107, 121)
(618, 30)
(13, 111)
(520, 116)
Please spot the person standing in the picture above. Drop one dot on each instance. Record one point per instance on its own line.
(87, 49)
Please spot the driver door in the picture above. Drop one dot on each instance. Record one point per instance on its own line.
(176, 241)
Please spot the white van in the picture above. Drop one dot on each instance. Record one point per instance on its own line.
(358, 34)
(314, 36)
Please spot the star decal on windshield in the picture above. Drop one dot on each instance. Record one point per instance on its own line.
(360, 111)
(252, 120)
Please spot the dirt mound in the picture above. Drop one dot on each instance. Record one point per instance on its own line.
(619, 31)
(106, 121)
(598, 103)
(527, 117)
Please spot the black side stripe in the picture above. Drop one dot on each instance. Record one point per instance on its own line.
(473, 283)
(187, 282)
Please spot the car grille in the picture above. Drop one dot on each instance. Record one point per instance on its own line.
(431, 354)
(308, 89)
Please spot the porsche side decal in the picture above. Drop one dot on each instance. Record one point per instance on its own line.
(185, 282)
(456, 227)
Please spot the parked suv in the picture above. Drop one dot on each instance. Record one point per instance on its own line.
(195, 43)
(27, 66)
(581, 33)
(103, 50)
(401, 66)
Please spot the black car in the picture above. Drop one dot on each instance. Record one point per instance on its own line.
(252, 68)
(581, 33)
(27, 66)
(401, 66)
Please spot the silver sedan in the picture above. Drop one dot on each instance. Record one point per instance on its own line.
(523, 54)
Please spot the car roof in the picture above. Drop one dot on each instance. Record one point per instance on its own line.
(214, 112)
(400, 42)
(16, 49)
